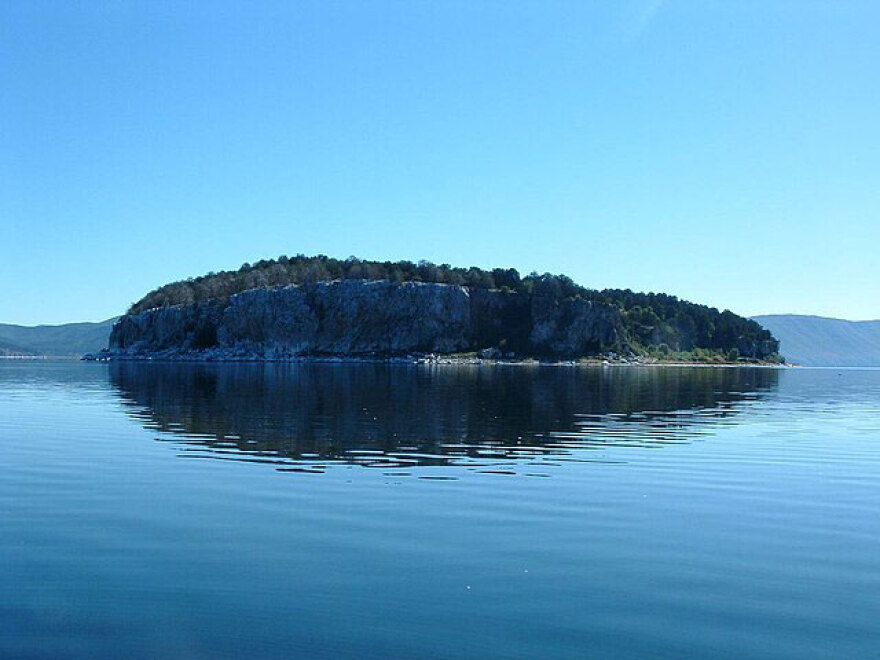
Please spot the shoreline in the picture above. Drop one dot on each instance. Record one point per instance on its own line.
(426, 360)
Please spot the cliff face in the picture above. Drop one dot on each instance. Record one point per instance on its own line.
(348, 317)
(356, 317)
(574, 327)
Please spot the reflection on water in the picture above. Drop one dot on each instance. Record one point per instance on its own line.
(310, 416)
(759, 542)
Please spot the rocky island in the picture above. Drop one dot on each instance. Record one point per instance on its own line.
(301, 307)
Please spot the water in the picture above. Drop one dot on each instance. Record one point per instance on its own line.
(185, 511)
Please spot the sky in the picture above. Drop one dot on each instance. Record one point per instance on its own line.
(724, 152)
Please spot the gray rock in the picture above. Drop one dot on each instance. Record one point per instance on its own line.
(369, 318)
(348, 317)
(188, 328)
(574, 327)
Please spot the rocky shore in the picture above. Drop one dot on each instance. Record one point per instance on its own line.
(377, 320)
(367, 319)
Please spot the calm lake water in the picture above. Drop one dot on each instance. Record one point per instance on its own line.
(230, 511)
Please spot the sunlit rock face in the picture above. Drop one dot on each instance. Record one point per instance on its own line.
(357, 317)
(349, 317)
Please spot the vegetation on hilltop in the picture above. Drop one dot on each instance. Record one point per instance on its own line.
(655, 323)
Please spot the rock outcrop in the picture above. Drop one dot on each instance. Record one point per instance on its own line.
(370, 318)
(348, 317)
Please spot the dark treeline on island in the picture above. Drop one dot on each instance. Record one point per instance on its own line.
(289, 307)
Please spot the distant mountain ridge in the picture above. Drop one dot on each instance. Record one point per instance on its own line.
(816, 341)
(8, 349)
(68, 339)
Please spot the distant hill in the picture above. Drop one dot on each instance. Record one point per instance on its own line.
(8, 349)
(822, 342)
(69, 339)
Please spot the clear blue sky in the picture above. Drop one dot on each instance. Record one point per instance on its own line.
(725, 152)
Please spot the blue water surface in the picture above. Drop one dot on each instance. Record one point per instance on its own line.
(365, 510)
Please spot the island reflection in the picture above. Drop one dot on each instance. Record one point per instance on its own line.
(304, 417)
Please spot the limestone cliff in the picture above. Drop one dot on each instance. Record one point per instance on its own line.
(359, 317)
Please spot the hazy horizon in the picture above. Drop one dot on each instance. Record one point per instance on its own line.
(723, 153)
